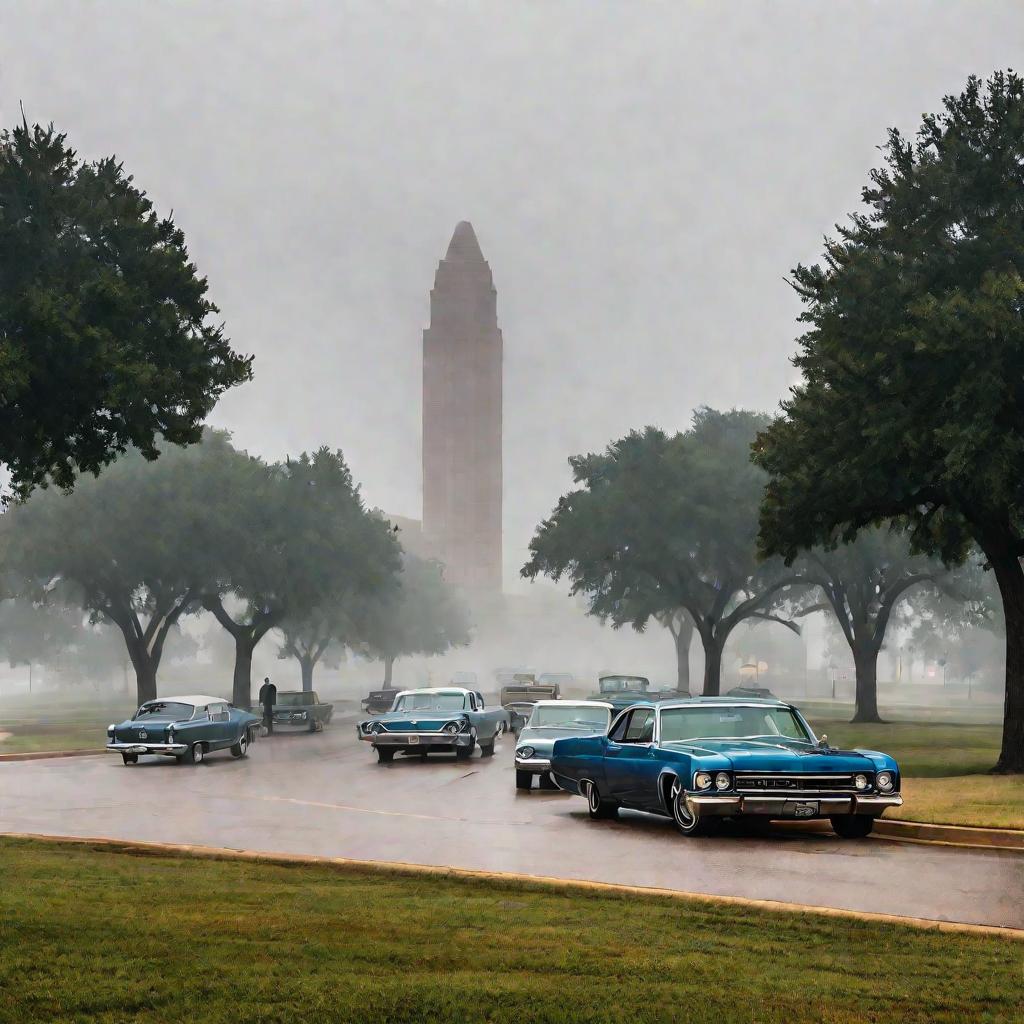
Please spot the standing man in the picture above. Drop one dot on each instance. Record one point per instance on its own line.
(268, 698)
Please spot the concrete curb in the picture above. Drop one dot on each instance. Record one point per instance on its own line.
(541, 881)
(41, 755)
(951, 835)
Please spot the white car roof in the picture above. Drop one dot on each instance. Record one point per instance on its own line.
(436, 689)
(572, 704)
(193, 699)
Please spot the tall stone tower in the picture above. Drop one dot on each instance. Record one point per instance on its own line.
(462, 355)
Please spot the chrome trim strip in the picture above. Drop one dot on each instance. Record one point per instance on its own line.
(538, 764)
(147, 748)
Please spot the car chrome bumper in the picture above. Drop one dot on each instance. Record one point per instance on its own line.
(418, 739)
(793, 805)
(148, 748)
(537, 765)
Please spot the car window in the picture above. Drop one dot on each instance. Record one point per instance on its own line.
(641, 727)
(201, 712)
(164, 710)
(219, 713)
(620, 727)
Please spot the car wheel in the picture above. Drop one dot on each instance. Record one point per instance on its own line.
(524, 780)
(600, 809)
(487, 749)
(242, 746)
(385, 755)
(547, 782)
(688, 823)
(852, 826)
(465, 753)
(130, 758)
(194, 754)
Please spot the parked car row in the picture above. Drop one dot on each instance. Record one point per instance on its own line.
(190, 727)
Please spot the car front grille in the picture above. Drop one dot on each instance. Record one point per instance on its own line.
(832, 782)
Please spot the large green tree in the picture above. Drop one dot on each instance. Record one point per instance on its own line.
(660, 525)
(138, 545)
(912, 399)
(107, 339)
(424, 615)
(298, 544)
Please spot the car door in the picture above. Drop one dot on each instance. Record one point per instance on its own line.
(630, 762)
(222, 729)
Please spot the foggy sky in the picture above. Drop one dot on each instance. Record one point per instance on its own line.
(641, 178)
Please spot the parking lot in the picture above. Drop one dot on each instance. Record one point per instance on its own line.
(324, 794)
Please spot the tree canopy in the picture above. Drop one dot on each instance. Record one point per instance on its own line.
(298, 545)
(106, 333)
(138, 544)
(911, 401)
(660, 524)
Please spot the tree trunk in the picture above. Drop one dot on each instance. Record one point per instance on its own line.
(241, 683)
(866, 661)
(145, 680)
(1011, 588)
(682, 642)
(389, 664)
(306, 663)
(712, 667)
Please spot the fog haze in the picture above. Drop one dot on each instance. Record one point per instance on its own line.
(641, 178)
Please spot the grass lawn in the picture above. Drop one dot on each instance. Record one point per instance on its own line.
(93, 935)
(60, 729)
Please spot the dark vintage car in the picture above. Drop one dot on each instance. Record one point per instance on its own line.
(380, 701)
(450, 719)
(525, 688)
(551, 720)
(750, 691)
(620, 691)
(700, 760)
(186, 728)
(301, 709)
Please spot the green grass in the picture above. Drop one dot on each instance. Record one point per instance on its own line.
(923, 749)
(94, 935)
(59, 727)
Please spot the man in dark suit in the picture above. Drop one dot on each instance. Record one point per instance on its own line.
(268, 698)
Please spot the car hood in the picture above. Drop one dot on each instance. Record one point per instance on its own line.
(782, 755)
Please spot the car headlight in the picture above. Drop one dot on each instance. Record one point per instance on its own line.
(375, 728)
(860, 781)
(702, 780)
(110, 729)
(524, 753)
(722, 780)
(452, 728)
(885, 781)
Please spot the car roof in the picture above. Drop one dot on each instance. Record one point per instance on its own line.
(571, 704)
(193, 699)
(683, 702)
(288, 693)
(461, 690)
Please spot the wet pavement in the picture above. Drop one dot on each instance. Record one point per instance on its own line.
(325, 794)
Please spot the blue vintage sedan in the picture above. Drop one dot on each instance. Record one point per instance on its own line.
(435, 719)
(704, 759)
(186, 728)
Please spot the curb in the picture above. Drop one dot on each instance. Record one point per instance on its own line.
(542, 881)
(40, 755)
(951, 835)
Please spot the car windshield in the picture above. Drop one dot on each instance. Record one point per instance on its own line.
(618, 684)
(738, 721)
(295, 700)
(570, 717)
(164, 711)
(431, 702)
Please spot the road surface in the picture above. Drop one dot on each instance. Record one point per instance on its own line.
(325, 794)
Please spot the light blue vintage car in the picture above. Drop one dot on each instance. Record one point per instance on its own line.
(435, 719)
(551, 720)
(186, 728)
(704, 759)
